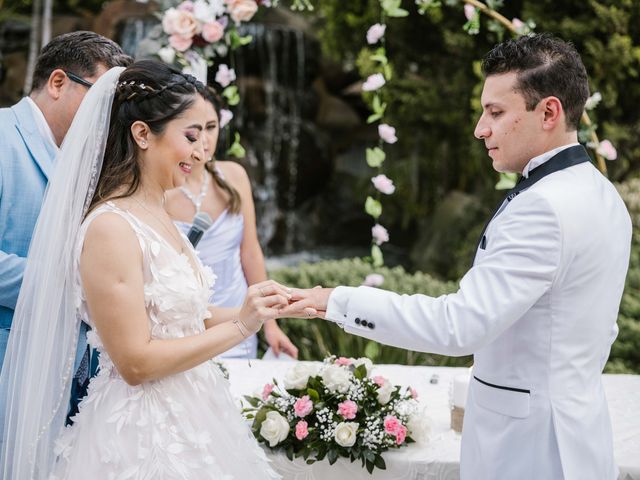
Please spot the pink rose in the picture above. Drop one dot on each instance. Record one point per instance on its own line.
(302, 430)
(373, 279)
(383, 184)
(344, 361)
(225, 117)
(266, 391)
(607, 150)
(517, 24)
(225, 75)
(379, 380)
(212, 32)
(375, 33)
(413, 392)
(401, 434)
(469, 11)
(380, 235)
(242, 10)
(348, 409)
(179, 22)
(303, 406)
(180, 43)
(373, 82)
(387, 133)
(391, 424)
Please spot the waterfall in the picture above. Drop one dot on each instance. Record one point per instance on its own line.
(277, 57)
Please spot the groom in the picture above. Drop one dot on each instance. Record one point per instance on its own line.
(30, 136)
(538, 307)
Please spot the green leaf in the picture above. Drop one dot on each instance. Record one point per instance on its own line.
(232, 95)
(253, 401)
(236, 150)
(371, 350)
(361, 371)
(375, 157)
(507, 181)
(373, 207)
(313, 394)
(376, 256)
(332, 456)
(379, 462)
(236, 41)
(370, 466)
(374, 117)
(260, 417)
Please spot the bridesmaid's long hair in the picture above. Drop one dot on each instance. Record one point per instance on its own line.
(235, 201)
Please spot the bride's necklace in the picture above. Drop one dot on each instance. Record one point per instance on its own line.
(167, 229)
(197, 201)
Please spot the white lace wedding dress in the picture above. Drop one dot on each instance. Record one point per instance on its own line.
(184, 426)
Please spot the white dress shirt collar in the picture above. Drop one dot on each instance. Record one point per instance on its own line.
(545, 157)
(43, 127)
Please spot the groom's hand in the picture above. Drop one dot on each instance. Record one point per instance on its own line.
(310, 299)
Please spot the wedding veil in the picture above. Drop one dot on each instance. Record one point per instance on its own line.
(36, 377)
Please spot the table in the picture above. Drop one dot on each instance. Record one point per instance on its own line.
(439, 459)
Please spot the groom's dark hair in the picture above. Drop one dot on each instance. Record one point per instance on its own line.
(79, 53)
(544, 66)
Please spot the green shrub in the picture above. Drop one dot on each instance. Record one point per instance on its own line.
(316, 338)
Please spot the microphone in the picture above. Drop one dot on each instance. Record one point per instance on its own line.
(201, 222)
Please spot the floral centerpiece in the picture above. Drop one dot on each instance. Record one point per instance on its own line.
(336, 409)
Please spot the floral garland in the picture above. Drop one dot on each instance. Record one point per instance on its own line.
(336, 409)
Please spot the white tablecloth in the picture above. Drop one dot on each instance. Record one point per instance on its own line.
(440, 458)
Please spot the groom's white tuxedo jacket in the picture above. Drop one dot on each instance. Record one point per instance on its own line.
(538, 310)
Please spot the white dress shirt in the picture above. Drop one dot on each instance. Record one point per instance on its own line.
(43, 126)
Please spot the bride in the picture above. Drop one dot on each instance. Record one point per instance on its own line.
(106, 252)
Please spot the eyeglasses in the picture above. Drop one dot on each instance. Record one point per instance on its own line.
(75, 78)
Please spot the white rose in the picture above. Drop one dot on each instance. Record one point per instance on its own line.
(274, 429)
(419, 426)
(406, 407)
(368, 364)
(298, 376)
(384, 393)
(167, 54)
(336, 378)
(346, 433)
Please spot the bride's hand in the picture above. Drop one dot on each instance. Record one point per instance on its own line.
(262, 303)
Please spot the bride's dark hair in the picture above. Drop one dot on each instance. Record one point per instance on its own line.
(147, 91)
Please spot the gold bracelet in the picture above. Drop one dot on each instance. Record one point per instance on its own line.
(237, 324)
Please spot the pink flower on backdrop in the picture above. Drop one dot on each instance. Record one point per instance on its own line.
(375, 33)
(179, 22)
(401, 434)
(373, 279)
(225, 75)
(344, 361)
(373, 82)
(469, 11)
(379, 380)
(413, 392)
(303, 406)
(391, 424)
(180, 43)
(517, 23)
(302, 430)
(348, 409)
(607, 150)
(383, 184)
(225, 117)
(266, 391)
(387, 133)
(186, 6)
(212, 31)
(242, 10)
(380, 235)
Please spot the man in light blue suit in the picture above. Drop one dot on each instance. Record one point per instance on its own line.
(31, 133)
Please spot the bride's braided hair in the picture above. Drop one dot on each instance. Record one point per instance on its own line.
(151, 92)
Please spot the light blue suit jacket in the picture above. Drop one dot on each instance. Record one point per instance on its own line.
(26, 162)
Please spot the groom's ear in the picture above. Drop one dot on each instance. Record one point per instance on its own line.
(140, 133)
